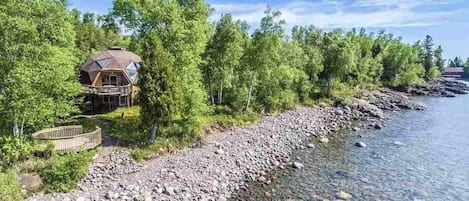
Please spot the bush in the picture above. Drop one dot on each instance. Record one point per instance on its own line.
(433, 73)
(66, 171)
(139, 154)
(410, 76)
(12, 150)
(10, 189)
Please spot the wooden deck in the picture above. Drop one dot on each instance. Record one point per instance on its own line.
(107, 90)
(69, 138)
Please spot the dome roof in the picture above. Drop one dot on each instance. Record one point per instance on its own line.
(113, 59)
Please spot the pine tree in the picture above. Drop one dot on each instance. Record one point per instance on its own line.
(439, 61)
(428, 57)
(160, 94)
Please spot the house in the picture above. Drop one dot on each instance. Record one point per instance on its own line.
(453, 72)
(109, 80)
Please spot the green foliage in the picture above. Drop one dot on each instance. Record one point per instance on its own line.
(94, 34)
(66, 171)
(160, 95)
(183, 28)
(13, 150)
(87, 124)
(37, 79)
(10, 189)
(433, 73)
(428, 58)
(410, 76)
(127, 129)
(439, 61)
(221, 57)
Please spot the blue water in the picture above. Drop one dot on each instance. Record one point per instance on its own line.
(432, 164)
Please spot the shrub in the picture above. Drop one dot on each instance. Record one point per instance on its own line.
(12, 150)
(10, 189)
(433, 73)
(66, 171)
(138, 154)
(410, 76)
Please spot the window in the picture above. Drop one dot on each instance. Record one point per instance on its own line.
(123, 101)
(108, 99)
(112, 80)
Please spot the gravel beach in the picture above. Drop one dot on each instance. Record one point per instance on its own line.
(230, 159)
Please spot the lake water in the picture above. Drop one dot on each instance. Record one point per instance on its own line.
(419, 155)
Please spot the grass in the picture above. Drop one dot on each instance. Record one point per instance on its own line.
(125, 125)
(88, 124)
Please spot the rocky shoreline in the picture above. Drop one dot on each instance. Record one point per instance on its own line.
(232, 158)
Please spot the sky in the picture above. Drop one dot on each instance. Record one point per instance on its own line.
(447, 21)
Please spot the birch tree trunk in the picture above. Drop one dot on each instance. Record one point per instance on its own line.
(153, 134)
(220, 94)
(251, 82)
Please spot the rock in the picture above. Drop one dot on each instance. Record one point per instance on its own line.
(339, 112)
(322, 104)
(360, 144)
(310, 145)
(355, 129)
(262, 179)
(220, 152)
(398, 143)
(267, 194)
(378, 126)
(169, 190)
(80, 199)
(275, 163)
(324, 140)
(297, 165)
(31, 182)
(343, 195)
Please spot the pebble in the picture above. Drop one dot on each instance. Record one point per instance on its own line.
(343, 195)
(298, 165)
(219, 151)
(324, 140)
(378, 126)
(360, 144)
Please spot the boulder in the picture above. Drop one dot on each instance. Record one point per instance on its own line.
(310, 145)
(31, 182)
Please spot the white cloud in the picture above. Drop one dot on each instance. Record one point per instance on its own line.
(335, 14)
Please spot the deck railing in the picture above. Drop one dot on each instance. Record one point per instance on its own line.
(107, 90)
(69, 138)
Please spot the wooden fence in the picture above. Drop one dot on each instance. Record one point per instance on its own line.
(69, 138)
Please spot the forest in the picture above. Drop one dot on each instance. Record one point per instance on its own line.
(192, 67)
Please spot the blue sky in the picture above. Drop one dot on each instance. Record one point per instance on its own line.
(447, 21)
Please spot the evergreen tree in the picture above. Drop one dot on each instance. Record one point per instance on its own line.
(439, 61)
(183, 28)
(160, 94)
(428, 58)
(458, 62)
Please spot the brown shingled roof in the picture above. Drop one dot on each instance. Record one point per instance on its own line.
(113, 59)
